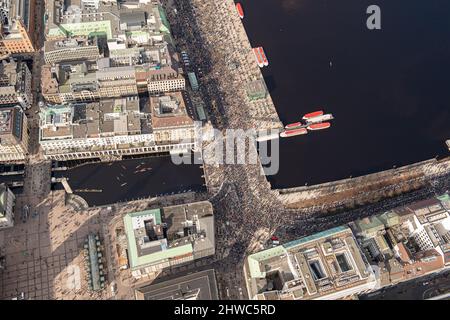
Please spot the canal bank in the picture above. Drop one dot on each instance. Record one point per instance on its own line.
(360, 191)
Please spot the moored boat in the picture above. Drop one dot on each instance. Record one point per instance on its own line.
(312, 115)
(322, 118)
(263, 55)
(240, 10)
(295, 132)
(293, 125)
(319, 126)
(259, 59)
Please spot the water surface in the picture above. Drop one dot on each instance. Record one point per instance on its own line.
(389, 89)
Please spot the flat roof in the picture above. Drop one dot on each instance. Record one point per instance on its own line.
(135, 259)
(119, 116)
(179, 240)
(178, 116)
(199, 286)
(88, 29)
(316, 236)
(312, 267)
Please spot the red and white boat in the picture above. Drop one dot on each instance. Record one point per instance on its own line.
(293, 125)
(312, 115)
(263, 55)
(259, 58)
(240, 10)
(322, 118)
(295, 132)
(319, 126)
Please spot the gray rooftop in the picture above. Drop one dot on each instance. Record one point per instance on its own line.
(199, 286)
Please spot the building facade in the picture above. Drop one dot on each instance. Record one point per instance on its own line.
(14, 38)
(15, 84)
(164, 80)
(109, 128)
(70, 50)
(13, 134)
(170, 121)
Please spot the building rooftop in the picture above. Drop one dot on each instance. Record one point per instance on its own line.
(11, 122)
(133, 19)
(12, 76)
(71, 43)
(197, 286)
(109, 117)
(69, 17)
(417, 236)
(169, 110)
(326, 264)
(160, 234)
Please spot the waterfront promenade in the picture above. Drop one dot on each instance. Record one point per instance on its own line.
(216, 40)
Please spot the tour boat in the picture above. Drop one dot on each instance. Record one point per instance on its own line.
(263, 55)
(293, 125)
(319, 126)
(259, 59)
(322, 118)
(291, 133)
(240, 10)
(312, 115)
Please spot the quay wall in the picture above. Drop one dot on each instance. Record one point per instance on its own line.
(365, 189)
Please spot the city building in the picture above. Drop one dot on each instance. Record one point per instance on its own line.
(165, 79)
(138, 21)
(109, 128)
(407, 242)
(15, 38)
(16, 26)
(327, 265)
(15, 84)
(7, 203)
(13, 134)
(70, 50)
(170, 120)
(200, 285)
(99, 129)
(83, 81)
(168, 237)
(70, 82)
(133, 51)
(110, 77)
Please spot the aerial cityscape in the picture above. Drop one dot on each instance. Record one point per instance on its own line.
(224, 150)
